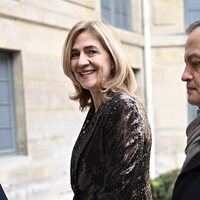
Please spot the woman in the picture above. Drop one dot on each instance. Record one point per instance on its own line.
(110, 159)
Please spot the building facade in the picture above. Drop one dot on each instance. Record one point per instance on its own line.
(38, 122)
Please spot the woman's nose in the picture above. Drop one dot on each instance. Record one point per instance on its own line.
(83, 60)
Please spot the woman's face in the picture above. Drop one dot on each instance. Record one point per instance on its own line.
(91, 64)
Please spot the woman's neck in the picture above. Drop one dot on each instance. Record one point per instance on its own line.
(96, 100)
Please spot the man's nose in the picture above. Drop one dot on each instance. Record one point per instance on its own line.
(187, 74)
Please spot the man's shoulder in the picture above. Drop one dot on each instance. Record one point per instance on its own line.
(188, 182)
(125, 101)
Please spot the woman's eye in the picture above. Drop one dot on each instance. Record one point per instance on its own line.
(91, 52)
(74, 55)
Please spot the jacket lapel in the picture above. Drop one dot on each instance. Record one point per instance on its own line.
(82, 141)
(194, 162)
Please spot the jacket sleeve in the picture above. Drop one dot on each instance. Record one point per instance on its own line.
(125, 154)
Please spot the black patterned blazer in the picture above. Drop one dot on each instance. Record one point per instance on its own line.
(110, 160)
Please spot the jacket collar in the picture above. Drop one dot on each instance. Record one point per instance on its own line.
(194, 162)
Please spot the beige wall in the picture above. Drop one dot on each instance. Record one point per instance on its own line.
(169, 96)
(37, 30)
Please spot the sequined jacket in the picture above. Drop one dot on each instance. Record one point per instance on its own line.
(110, 160)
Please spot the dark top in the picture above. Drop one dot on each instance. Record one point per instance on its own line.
(187, 186)
(110, 160)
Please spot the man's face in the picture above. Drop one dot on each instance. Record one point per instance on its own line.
(191, 72)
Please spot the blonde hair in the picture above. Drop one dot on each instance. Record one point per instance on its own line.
(123, 78)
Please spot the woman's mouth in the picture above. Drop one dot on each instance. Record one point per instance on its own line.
(85, 73)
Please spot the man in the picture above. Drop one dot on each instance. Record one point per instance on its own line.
(187, 185)
(2, 194)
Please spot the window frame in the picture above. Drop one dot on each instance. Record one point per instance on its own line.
(11, 126)
(18, 103)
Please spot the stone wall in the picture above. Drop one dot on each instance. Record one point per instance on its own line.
(169, 96)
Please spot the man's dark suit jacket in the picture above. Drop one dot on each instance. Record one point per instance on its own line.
(187, 186)
(2, 194)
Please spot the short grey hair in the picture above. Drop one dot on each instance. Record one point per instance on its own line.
(193, 26)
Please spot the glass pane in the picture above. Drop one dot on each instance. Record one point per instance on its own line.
(193, 4)
(125, 6)
(5, 139)
(125, 22)
(4, 92)
(118, 21)
(117, 12)
(107, 15)
(117, 7)
(3, 68)
(5, 116)
(105, 4)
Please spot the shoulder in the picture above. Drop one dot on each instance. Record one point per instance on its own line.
(187, 183)
(122, 105)
(125, 101)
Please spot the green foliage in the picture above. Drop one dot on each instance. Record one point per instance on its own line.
(163, 185)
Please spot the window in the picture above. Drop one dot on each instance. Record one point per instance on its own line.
(7, 124)
(117, 13)
(192, 13)
(12, 112)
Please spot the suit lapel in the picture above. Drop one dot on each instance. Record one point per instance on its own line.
(194, 162)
